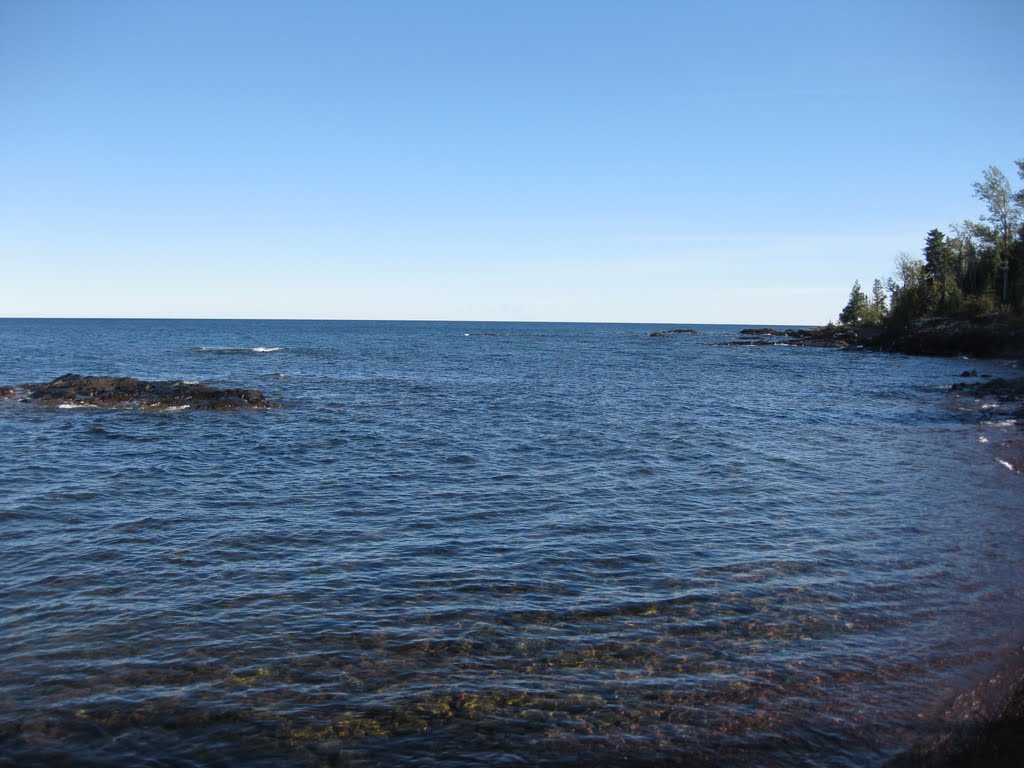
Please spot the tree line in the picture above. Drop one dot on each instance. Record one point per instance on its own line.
(976, 269)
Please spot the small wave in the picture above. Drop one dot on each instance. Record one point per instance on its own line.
(237, 350)
(69, 406)
(1003, 423)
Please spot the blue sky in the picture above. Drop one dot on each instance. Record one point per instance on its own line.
(637, 161)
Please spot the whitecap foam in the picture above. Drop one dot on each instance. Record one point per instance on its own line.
(69, 406)
(236, 350)
(1003, 423)
(1006, 464)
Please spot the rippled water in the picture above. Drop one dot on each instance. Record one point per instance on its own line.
(495, 544)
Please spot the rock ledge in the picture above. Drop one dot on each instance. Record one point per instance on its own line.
(126, 392)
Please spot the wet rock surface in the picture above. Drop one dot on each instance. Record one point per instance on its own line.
(1009, 393)
(673, 332)
(126, 392)
(836, 337)
(997, 743)
(762, 332)
(1005, 390)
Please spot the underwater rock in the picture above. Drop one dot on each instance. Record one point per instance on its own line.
(76, 390)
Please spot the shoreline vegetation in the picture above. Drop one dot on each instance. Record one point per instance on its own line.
(965, 296)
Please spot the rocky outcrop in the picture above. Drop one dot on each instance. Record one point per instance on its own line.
(837, 336)
(663, 334)
(942, 336)
(929, 336)
(1009, 392)
(72, 389)
(833, 336)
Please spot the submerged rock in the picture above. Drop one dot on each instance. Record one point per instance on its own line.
(72, 389)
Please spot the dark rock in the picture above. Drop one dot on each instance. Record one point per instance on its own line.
(930, 336)
(128, 392)
(835, 336)
(761, 332)
(7, 392)
(969, 374)
(947, 337)
(996, 743)
(1005, 390)
(663, 334)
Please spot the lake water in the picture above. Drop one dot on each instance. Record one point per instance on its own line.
(497, 544)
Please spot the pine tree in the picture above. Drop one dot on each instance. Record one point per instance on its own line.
(879, 309)
(856, 308)
(938, 268)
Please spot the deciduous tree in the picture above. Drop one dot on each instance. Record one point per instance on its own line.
(1003, 218)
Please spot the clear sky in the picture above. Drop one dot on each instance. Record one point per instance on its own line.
(635, 161)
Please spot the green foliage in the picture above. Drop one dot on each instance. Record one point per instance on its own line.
(878, 308)
(979, 270)
(856, 308)
(1004, 219)
(979, 304)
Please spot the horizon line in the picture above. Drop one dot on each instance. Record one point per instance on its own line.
(397, 320)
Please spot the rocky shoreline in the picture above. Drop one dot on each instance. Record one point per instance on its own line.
(930, 336)
(73, 390)
(997, 743)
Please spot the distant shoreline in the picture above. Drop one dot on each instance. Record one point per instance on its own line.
(937, 336)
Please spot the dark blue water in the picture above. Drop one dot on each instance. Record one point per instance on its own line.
(496, 544)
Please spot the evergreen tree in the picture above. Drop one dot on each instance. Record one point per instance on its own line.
(878, 303)
(938, 270)
(856, 308)
(978, 271)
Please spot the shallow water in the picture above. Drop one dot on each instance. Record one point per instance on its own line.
(502, 544)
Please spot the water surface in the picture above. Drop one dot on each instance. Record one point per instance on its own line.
(501, 544)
